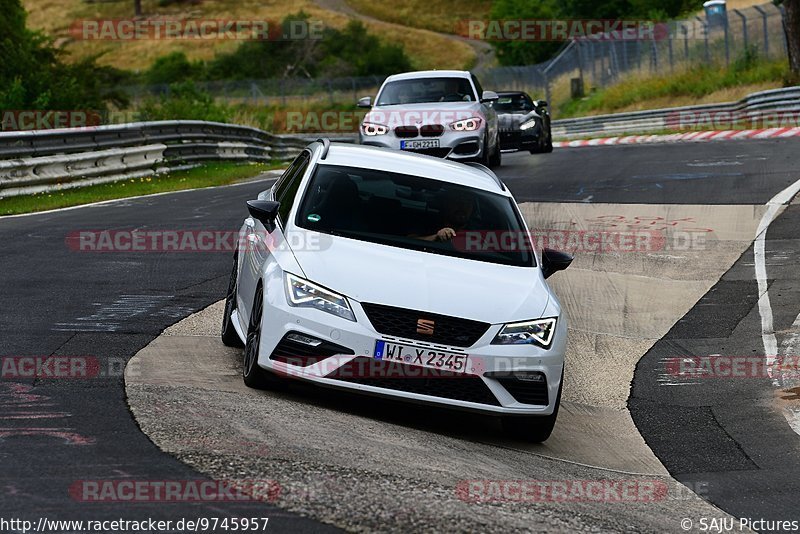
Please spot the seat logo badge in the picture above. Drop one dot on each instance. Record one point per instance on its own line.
(425, 326)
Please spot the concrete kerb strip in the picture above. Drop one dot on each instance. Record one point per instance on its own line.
(718, 135)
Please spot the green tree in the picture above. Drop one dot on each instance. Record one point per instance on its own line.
(355, 52)
(32, 75)
(348, 52)
(521, 52)
(791, 27)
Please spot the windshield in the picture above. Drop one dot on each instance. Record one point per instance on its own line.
(514, 103)
(415, 213)
(422, 90)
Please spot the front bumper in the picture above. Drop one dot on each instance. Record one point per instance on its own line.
(458, 146)
(521, 139)
(489, 387)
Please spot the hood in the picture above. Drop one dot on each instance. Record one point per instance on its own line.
(512, 119)
(427, 113)
(381, 274)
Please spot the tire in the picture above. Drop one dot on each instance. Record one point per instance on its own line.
(485, 158)
(534, 429)
(253, 375)
(496, 160)
(229, 336)
(549, 145)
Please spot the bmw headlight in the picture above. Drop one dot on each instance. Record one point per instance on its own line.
(539, 332)
(372, 129)
(304, 294)
(527, 125)
(467, 125)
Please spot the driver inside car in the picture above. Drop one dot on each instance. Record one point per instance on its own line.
(452, 91)
(454, 217)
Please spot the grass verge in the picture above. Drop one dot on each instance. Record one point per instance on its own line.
(437, 15)
(426, 50)
(217, 173)
(686, 87)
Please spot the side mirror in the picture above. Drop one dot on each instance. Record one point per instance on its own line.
(365, 102)
(265, 211)
(540, 103)
(489, 96)
(554, 261)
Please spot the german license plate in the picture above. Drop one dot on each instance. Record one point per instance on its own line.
(421, 357)
(419, 144)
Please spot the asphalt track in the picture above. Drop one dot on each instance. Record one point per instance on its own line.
(58, 301)
(730, 434)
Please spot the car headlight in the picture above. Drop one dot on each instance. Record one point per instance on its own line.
(527, 125)
(539, 332)
(372, 129)
(304, 294)
(467, 125)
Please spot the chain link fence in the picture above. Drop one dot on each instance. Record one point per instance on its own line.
(715, 39)
(589, 62)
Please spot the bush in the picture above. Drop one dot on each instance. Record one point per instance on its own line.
(184, 101)
(524, 52)
(174, 67)
(348, 52)
(362, 53)
(32, 75)
(529, 52)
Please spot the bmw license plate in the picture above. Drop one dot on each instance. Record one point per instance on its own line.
(419, 144)
(421, 357)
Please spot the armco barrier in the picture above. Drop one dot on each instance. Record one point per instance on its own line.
(656, 120)
(43, 160)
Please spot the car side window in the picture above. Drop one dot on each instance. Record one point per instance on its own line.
(286, 177)
(287, 190)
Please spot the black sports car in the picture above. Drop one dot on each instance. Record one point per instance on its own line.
(524, 123)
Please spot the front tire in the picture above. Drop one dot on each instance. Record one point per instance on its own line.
(496, 158)
(485, 157)
(534, 429)
(230, 338)
(549, 145)
(253, 375)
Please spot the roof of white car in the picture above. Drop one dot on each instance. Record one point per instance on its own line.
(385, 159)
(429, 74)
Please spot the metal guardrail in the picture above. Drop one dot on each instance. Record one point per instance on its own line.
(764, 102)
(46, 160)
